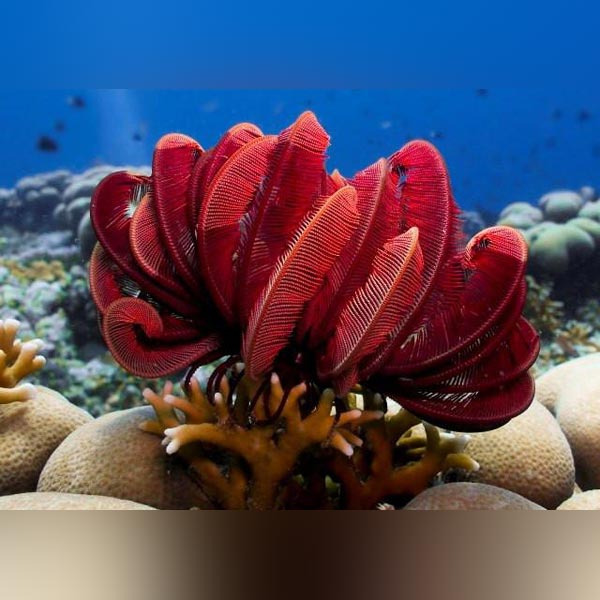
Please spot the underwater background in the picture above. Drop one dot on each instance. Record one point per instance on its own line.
(528, 159)
(501, 145)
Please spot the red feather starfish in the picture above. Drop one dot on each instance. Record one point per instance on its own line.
(252, 249)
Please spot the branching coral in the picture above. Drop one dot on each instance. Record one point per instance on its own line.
(245, 458)
(398, 460)
(17, 360)
(264, 450)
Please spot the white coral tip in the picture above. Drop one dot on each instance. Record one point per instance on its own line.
(28, 390)
(38, 342)
(30, 346)
(348, 450)
(173, 446)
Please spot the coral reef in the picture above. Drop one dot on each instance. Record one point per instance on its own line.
(563, 338)
(563, 236)
(295, 408)
(39, 270)
(50, 298)
(62, 195)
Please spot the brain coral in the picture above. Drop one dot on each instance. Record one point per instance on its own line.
(529, 456)
(469, 496)
(572, 392)
(111, 456)
(58, 501)
(29, 433)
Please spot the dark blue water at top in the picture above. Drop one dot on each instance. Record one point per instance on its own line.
(501, 145)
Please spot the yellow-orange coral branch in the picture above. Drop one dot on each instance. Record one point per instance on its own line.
(17, 360)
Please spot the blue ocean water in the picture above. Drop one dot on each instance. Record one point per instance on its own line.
(501, 145)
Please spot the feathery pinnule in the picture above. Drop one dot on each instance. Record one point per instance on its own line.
(172, 163)
(375, 309)
(229, 196)
(296, 277)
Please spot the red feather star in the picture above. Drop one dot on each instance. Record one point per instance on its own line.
(251, 249)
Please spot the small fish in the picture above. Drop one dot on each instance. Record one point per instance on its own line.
(436, 135)
(46, 144)
(385, 124)
(140, 133)
(584, 115)
(59, 126)
(482, 92)
(76, 101)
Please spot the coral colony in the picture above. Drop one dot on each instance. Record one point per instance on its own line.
(322, 297)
